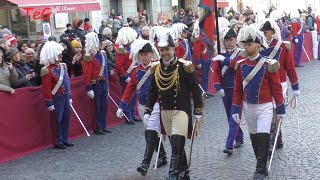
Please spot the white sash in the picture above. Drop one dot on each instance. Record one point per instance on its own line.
(103, 64)
(143, 79)
(253, 72)
(187, 50)
(275, 50)
(234, 54)
(57, 86)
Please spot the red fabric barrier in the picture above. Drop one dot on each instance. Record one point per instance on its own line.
(307, 44)
(27, 126)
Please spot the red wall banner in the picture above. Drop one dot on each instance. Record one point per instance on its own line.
(27, 126)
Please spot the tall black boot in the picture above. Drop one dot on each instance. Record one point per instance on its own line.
(185, 172)
(162, 159)
(279, 140)
(262, 156)
(254, 142)
(151, 138)
(177, 145)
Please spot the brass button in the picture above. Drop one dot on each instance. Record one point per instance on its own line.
(161, 107)
(175, 101)
(175, 107)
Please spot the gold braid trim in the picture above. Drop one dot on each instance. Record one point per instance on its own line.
(164, 83)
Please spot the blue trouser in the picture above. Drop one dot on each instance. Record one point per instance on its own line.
(129, 111)
(62, 112)
(298, 50)
(100, 104)
(205, 68)
(235, 131)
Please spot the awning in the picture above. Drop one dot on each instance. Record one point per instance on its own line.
(57, 6)
(222, 3)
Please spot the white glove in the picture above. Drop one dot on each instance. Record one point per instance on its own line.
(51, 108)
(296, 93)
(70, 101)
(120, 113)
(296, 41)
(198, 117)
(218, 58)
(128, 80)
(281, 116)
(236, 118)
(221, 92)
(90, 94)
(146, 117)
(199, 66)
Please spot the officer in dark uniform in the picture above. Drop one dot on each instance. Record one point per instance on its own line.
(173, 81)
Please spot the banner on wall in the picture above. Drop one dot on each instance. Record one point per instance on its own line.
(46, 30)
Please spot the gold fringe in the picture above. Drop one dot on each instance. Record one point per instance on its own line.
(273, 67)
(188, 69)
(121, 50)
(44, 71)
(87, 58)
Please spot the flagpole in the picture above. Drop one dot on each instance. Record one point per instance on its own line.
(217, 24)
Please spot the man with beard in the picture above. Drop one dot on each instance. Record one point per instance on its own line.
(173, 81)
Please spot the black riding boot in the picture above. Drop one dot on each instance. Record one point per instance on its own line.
(151, 138)
(177, 145)
(162, 159)
(279, 140)
(262, 156)
(254, 142)
(185, 172)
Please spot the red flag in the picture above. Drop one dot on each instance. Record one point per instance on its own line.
(206, 23)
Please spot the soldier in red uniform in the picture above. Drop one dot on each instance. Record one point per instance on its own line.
(56, 90)
(297, 37)
(279, 51)
(124, 65)
(200, 57)
(95, 76)
(257, 84)
(179, 33)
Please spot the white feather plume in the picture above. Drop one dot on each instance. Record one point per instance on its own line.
(276, 14)
(222, 33)
(295, 14)
(49, 53)
(274, 25)
(251, 32)
(137, 45)
(126, 36)
(196, 29)
(163, 37)
(177, 29)
(92, 43)
(223, 22)
(154, 31)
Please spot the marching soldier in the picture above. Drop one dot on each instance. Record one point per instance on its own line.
(200, 56)
(124, 65)
(257, 84)
(173, 81)
(144, 51)
(279, 51)
(179, 33)
(56, 89)
(297, 37)
(95, 76)
(224, 83)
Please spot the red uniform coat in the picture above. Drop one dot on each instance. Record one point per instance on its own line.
(123, 62)
(296, 27)
(181, 49)
(287, 66)
(263, 88)
(50, 79)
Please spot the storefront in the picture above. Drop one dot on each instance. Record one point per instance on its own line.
(26, 18)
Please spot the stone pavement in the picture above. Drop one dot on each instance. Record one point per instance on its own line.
(115, 156)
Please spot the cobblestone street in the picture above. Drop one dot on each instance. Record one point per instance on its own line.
(116, 155)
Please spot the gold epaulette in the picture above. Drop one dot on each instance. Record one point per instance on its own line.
(153, 66)
(187, 66)
(294, 20)
(287, 44)
(121, 50)
(273, 65)
(87, 58)
(44, 71)
(238, 63)
(195, 39)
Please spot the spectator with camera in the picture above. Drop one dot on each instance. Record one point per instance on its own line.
(34, 64)
(8, 75)
(25, 75)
